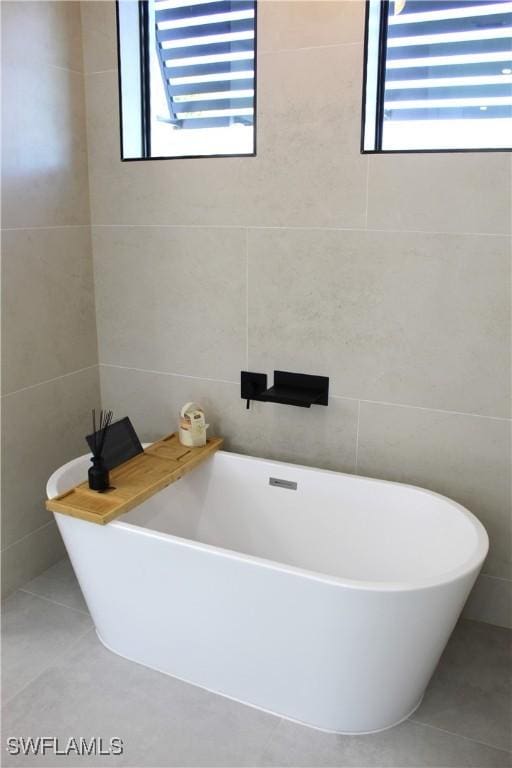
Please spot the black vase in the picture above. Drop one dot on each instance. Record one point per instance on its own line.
(98, 475)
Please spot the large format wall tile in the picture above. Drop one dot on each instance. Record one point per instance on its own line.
(172, 299)
(412, 318)
(153, 401)
(50, 272)
(51, 28)
(42, 428)
(159, 192)
(464, 192)
(291, 24)
(282, 25)
(296, 119)
(466, 458)
(388, 316)
(99, 35)
(307, 171)
(317, 437)
(322, 437)
(48, 305)
(44, 155)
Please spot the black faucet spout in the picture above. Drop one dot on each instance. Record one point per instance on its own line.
(298, 389)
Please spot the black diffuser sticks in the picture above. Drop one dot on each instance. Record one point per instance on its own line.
(98, 474)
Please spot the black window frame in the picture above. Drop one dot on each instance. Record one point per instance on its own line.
(381, 67)
(145, 89)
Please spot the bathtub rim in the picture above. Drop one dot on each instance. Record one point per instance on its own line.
(471, 564)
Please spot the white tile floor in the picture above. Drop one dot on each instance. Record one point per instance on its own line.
(58, 680)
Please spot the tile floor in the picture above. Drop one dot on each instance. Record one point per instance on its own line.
(58, 680)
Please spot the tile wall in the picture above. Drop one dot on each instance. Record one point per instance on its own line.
(49, 347)
(390, 274)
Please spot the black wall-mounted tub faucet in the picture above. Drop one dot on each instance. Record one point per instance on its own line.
(299, 389)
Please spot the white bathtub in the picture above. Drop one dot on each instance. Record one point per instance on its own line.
(329, 604)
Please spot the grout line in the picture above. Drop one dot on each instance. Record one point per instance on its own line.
(54, 662)
(67, 69)
(357, 434)
(459, 735)
(246, 299)
(270, 51)
(492, 576)
(300, 228)
(100, 72)
(484, 623)
(36, 530)
(49, 600)
(367, 192)
(335, 397)
(45, 226)
(49, 381)
(238, 227)
(86, 106)
(423, 408)
(167, 373)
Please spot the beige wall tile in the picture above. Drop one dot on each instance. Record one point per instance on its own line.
(297, 435)
(48, 318)
(302, 116)
(406, 318)
(99, 35)
(159, 192)
(42, 428)
(284, 24)
(308, 170)
(153, 401)
(44, 173)
(465, 192)
(28, 557)
(51, 29)
(48, 308)
(172, 299)
(466, 458)
(319, 436)
(388, 316)
(491, 601)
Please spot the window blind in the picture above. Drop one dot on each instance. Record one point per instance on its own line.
(206, 51)
(449, 60)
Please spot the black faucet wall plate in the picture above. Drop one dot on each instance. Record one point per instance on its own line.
(299, 389)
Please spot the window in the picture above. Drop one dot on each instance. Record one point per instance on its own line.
(186, 77)
(438, 75)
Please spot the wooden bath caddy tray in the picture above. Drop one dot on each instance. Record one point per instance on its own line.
(135, 481)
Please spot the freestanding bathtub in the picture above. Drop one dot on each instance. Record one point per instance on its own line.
(326, 599)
